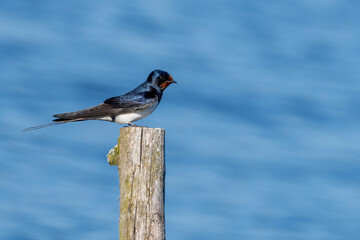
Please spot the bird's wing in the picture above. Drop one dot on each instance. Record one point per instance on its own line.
(132, 102)
(111, 107)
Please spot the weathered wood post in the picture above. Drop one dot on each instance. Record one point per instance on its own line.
(139, 155)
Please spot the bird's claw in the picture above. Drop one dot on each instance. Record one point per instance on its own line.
(132, 125)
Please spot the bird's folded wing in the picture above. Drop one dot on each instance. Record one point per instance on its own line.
(132, 102)
(111, 107)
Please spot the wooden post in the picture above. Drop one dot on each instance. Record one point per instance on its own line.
(141, 164)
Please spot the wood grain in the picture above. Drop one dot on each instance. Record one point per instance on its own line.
(141, 166)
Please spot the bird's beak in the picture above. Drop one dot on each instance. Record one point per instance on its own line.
(171, 80)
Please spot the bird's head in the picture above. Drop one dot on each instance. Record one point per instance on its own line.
(160, 79)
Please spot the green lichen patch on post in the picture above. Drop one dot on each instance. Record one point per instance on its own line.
(113, 155)
(126, 207)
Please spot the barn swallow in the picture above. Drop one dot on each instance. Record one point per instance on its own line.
(125, 109)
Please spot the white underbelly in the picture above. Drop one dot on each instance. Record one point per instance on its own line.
(131, 117)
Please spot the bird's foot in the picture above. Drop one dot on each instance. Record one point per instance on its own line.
(132, 125)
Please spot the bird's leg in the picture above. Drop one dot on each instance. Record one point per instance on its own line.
(132, 124)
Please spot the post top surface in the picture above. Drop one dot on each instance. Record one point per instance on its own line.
(162, 129)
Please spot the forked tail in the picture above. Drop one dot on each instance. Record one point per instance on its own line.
(56, 122)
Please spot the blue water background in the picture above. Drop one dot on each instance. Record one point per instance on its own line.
(262, 131)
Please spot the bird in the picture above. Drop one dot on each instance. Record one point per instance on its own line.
(125, 109)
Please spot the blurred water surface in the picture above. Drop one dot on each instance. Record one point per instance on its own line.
(262, 130)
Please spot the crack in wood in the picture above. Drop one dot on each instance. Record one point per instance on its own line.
(149, 194)
(141, 144)
(134, 232)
